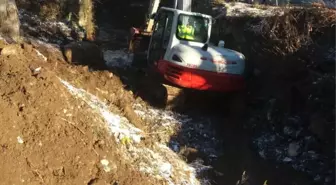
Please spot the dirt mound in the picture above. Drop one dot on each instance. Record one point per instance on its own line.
(297, 28)
(49, 137)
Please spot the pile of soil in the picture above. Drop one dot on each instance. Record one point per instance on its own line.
(49, 137)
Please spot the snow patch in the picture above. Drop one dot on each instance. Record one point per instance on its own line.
(48, 31)
(117, 125)
(238, 9)
(198, 132)
(159, 161)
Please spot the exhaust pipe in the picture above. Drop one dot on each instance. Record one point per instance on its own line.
(175, 4)
(184, 5)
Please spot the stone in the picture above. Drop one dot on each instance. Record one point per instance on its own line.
(27, 47)
(191, 154)
(11, 49)
(293, 149)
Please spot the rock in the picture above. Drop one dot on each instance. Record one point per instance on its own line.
(36, 71)
(86, 53)
(293, 149)
(59, 172)
(190, 154)
(11, 49)
(105, 164)
(27, 47)
(20, 140)
(287, 159)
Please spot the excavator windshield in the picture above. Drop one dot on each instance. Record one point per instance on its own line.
(192, 28)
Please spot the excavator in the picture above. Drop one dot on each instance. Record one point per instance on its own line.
(187, 62)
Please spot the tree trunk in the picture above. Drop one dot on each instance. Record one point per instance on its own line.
(86, 18)
(9, 21)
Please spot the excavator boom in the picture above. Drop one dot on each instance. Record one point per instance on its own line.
(154, 5)
(143, 34)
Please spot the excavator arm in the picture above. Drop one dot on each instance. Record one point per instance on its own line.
(140, 37)
(154, 5)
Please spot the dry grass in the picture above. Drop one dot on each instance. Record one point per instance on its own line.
(294, 30)
(50, 11)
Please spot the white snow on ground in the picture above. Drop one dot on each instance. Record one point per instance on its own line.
(238, 9)
(44, 24)
(166, 121)
(197, 130)
(118, 125)
(166, 117)
(118, 58)
(158, 161)
(40, 43)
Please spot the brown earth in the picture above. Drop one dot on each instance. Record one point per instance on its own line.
(77, 136)
(49, 137)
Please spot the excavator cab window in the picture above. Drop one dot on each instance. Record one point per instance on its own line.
(192, 28)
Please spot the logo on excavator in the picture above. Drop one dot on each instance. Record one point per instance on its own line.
(192, 65)
(219, 60)
(222, 61)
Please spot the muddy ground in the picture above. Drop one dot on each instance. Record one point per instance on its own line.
(49, 137)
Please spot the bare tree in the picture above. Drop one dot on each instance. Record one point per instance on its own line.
(9, 21)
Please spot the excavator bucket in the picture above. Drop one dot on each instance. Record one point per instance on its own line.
(138, 44)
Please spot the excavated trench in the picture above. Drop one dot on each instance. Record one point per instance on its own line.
(212, 134)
